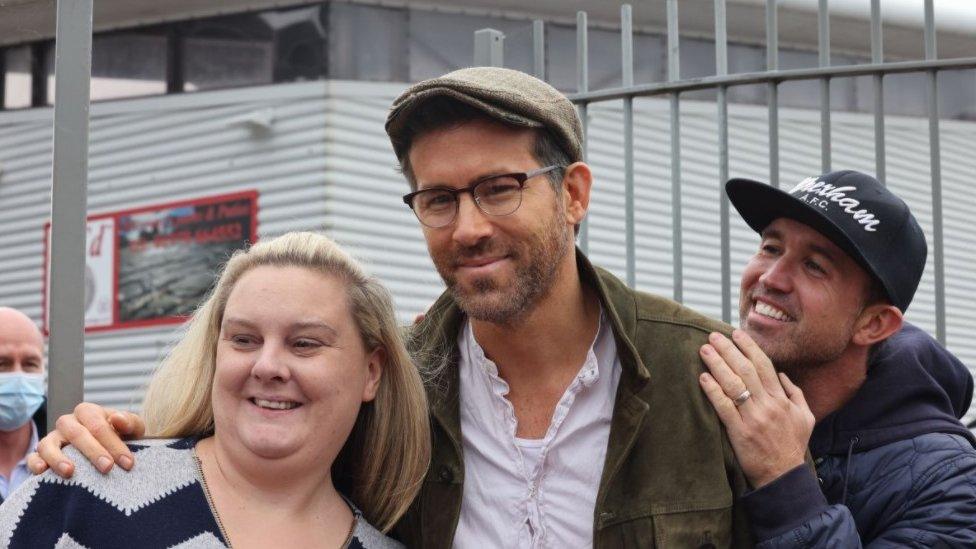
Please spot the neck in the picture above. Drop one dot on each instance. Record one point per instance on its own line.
(553, 337)
(829, 386)
(13, 446)
(289, 486)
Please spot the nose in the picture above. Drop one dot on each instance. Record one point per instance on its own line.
(778, 275)
(471, 225)
(270, 364)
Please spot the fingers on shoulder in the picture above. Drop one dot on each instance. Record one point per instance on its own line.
(723, 405)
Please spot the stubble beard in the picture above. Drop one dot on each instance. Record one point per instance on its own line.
(802, 353)
(537, 263)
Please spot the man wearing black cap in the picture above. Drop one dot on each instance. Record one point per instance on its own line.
(838, 264)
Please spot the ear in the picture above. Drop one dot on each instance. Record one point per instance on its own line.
(374, 372)
(877, 323)
(577, 180)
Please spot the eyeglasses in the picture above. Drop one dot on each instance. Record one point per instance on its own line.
(495, 195)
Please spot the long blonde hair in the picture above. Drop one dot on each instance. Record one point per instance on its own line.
(383, 462)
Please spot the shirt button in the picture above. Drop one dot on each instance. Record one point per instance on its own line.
(446, 474)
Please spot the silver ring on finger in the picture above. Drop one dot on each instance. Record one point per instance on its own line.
(742, 398)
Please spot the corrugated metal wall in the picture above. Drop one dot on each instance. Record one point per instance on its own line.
(151, 151)
(326, 163)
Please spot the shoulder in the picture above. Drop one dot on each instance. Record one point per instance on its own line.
(941, 454)
(918, 451)
(655, 308)
(943, 442)
(91, 501)
(365, 536)
(918, 463)
(933, 494)
(650, 308)
(150, 453)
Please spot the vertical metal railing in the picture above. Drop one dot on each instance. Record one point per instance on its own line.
(935, 157)
(627, 74)
(674, 75)
(539, 49)
(489, 48)
(823, 51)
(877, 57)
(69, 191)
(772, 65)
(583, 86)
(722, 100)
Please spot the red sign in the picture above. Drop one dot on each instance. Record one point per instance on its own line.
(154, 265)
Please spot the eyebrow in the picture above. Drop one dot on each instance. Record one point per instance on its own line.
(822, 250)
(826, 252)
(306, 324)
(467, 185)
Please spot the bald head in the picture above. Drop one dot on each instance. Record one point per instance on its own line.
(21, 342)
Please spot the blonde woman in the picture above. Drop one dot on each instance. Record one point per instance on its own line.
(289, 415)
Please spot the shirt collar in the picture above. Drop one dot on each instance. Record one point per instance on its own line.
(588, 374)
(30, 447)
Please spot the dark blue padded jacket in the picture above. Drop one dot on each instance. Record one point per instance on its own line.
(896, 468)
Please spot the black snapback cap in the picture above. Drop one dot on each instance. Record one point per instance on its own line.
(853, 210)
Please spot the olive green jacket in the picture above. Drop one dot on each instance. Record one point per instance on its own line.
(670, 478)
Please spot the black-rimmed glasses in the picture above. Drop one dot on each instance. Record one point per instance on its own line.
(494, 195)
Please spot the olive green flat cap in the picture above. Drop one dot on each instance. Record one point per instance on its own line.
(509, 96)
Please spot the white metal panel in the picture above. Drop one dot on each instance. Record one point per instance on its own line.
(364, 208)
(158, 150)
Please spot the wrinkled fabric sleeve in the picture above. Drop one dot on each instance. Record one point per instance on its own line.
(938, 511)
(742, 533)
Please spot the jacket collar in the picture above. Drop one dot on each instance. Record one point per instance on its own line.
(434, 344)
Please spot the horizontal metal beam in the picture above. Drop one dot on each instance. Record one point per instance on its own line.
(741, 79)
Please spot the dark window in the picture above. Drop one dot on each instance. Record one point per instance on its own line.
(223, 52)
(16, 68)
(128, 64)
(367, 43)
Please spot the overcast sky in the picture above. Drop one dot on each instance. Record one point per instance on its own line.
(950, 15)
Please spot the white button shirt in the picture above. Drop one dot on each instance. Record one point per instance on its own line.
(20, 473)
(540, 492)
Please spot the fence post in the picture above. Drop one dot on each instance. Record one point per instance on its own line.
(66, 306)
(488, 48)
(582, 86)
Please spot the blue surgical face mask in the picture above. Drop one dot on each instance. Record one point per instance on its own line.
(20, 396)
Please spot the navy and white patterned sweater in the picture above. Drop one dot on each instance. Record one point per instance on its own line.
(160, 503)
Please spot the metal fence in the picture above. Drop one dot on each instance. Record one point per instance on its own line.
(488, 51)
(73, 59)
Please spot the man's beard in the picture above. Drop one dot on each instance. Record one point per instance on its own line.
(802, 356)
(536, 260)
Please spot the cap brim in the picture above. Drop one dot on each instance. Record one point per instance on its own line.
(760, 204)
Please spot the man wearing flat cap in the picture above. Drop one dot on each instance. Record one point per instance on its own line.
(838, 264)
(566, 407)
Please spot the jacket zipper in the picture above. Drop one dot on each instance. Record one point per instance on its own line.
(206, 494)
(220, 525)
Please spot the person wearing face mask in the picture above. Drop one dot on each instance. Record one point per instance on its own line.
(21, 395)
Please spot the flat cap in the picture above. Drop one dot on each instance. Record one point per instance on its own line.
(509, 96)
